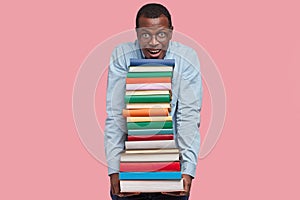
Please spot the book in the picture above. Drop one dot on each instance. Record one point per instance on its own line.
(151, 144)
(147, 105)
(149, 157)
(145, 62)
(149, 166)
(149, 175)
(149, 80)
(150, 151)
(150, 125)
(145, 112)
(150, 137)
(150, 86)
(147, 98)
(147, 92)
(149, 119)
(148, 74)
(151, 186)
(150, 131)
(150, 69)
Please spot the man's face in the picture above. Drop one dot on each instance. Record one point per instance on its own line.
(154, 35)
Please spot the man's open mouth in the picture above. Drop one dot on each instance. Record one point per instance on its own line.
(154, 51)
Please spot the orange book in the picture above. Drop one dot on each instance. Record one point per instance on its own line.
(148, 80)
(146, 112)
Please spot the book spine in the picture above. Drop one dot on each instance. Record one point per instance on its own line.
(146, 112)
(149, 125)
(151, 144)
(149, 166)
(149, 137)
(151, 186)
(148, 80)
(149, 119)
(148, 74)
(147, 105)
(150, 69)
(147, 92)
(152, 62)
(150, 131)
(151, 86)
(147, 98)
(149, 175)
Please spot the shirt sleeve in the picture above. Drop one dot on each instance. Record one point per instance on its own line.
(188, 114)
(115, 124)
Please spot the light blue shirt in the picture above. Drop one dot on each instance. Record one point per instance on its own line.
(186, 103)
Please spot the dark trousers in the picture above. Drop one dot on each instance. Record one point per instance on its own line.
(149, 196)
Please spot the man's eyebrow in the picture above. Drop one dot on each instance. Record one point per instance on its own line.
(150, 30)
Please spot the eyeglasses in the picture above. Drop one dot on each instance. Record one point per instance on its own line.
(161, 36)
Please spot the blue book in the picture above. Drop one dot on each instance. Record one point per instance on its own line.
(150, 131)
(152, 62)
(150, 175)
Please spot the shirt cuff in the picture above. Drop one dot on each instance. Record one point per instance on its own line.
(113, 167)
(188, 168)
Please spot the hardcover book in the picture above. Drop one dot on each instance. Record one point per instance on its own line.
(151, 186)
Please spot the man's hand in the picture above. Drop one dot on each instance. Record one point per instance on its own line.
(115, 187)
(187, 182)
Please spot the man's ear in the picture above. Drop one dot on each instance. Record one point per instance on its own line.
(171, 31)
(136, 31)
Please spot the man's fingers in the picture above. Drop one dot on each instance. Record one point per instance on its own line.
(128, 194)
(172, 193)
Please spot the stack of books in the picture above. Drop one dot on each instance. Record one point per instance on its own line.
(150, 162)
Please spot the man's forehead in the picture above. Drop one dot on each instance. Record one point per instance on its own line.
(161, 21)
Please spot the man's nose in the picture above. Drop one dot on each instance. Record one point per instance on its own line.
(153, 41)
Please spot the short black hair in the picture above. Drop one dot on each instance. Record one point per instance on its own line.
(153, 10)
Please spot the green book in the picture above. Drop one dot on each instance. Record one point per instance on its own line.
(149, 125)
(148, 74)
(147, 98)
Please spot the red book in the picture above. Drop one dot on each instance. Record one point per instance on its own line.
(149, 166)
(150, 137)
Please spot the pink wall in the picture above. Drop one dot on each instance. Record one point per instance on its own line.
(255, 45)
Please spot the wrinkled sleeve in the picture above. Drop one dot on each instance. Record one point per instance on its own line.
(188, 114)
(115, 124)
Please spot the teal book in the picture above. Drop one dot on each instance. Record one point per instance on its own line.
(148, 74)
(147, 98)
(150, 131)
(150, 175)
(150, 125)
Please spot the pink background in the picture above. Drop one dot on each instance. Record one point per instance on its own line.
(255, 44)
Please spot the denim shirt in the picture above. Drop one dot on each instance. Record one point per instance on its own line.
(185, 104)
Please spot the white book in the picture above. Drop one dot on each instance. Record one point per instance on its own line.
(147, 92)
(150, 144)
(149, 86)
(150, 69)
(149, 157)
(149, 119)
(147, 105)
(149, 151)
(151, 185)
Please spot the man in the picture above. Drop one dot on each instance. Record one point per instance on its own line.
(154, 32)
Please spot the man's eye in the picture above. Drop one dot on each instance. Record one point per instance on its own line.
(145, 35)
(161, 34)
